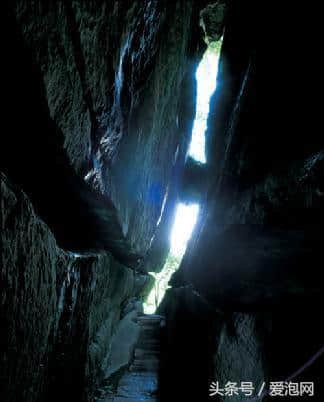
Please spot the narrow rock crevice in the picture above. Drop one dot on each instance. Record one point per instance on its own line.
(99, 102)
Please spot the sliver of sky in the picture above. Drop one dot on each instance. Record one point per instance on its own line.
(184, 222)
(206, 84)
(186, 214)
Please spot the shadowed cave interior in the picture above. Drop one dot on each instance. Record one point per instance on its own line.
(103, 143)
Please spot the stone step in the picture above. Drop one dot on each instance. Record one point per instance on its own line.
(140, 385)
(141, 381)
(132, 399)
(144, 369)
(153, 324)
(144, 361)
(146, 327)
(148, 344)
(150, 317)
(148, 320)
(144, 353)
(147, 365)
(150, 334)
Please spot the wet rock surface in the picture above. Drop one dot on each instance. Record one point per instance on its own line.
(99, 102)
(258, 267)
(254, 255)
(114, 86)
(28, 295)
(99, 105)
(59, 310)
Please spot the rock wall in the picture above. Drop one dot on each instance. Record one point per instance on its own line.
(98, 105)
(59, 310)
(118, 83)
(253, 258)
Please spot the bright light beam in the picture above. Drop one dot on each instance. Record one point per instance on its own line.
(186, 215)
(206, 84)
(184, 222)
(185, 219)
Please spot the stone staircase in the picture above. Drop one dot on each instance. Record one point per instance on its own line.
(140, 382)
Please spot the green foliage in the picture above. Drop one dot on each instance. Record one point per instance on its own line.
(215, 46)
(173, 262)
(161, 283)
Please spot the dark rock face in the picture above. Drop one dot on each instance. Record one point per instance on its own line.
(195, 181)
(28, 295)
(187, 345)
(262, 222)
(212, 20)
(59, 311)
(254, 257)
(257, 267)
(99, 103)
(82, 219)
(116, 85)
